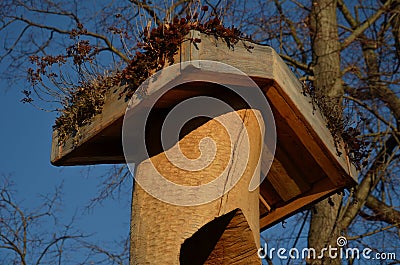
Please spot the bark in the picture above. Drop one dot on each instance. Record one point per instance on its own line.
(326, 48)
(323, 229)
(326, 63)
(394, 20)
(377, 88)
(382, 211)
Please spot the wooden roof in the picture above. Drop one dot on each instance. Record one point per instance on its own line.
(306, 166)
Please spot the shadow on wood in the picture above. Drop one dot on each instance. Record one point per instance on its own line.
(225, 240)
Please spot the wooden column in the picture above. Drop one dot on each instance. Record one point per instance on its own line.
(223, 231)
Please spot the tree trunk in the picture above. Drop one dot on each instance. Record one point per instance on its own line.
(326, 63)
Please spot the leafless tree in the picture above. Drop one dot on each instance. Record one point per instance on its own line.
(36, 235)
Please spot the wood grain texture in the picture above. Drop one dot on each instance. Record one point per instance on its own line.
(159, 229)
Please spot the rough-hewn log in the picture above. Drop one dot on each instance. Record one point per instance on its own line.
(159, 229)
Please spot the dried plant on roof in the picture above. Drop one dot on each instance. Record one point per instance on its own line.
(156, 49)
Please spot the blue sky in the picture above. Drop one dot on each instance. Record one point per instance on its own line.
(25, 141)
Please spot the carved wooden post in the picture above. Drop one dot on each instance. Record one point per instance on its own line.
(162, 233)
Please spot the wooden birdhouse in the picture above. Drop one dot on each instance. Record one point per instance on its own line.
(305, 168)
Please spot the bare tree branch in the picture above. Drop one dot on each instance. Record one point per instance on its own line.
(357, 32)
(369, 182)
(293, 32)
(21, 234)
(370, 233)
(346, 13)
(12, 246)
(374, 112)
(149, 10)
(383, 212)
(108, 43)
(305, 67)
(52, 243)
(47, 11)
